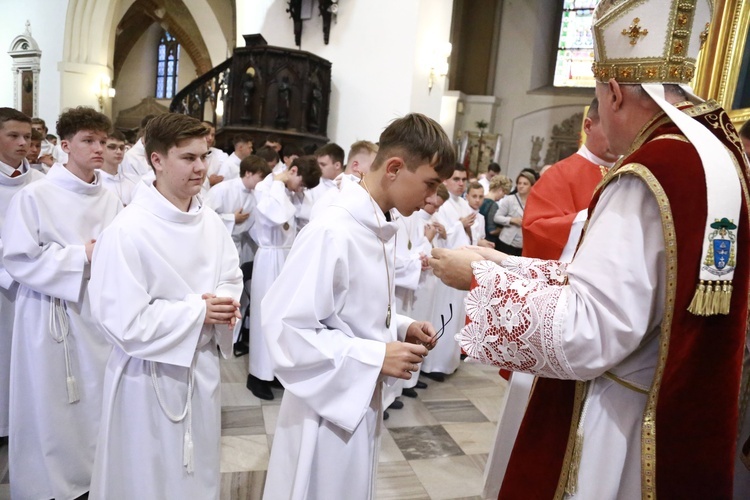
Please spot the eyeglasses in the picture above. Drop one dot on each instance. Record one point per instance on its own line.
(443, 323)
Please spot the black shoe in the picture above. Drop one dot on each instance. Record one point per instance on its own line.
(463, 356)
(436, 376)
(385, 415)
(396, 405)
(261, 389)
(240, 349)
(276, 384)
(420, 385)
(409, 393)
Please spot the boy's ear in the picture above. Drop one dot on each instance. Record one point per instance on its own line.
(393, 165)
(293, 170)
(156, 160)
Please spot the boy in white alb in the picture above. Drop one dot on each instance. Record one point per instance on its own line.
(135, 164)
(358, 162)
(112, 179)
(214, 159)
(234, 201)
(274, 231)
(164, 286)
(457, 217)
(15, 174)
(330, 160)
(58, 354)
(333, 335)
(230, 167)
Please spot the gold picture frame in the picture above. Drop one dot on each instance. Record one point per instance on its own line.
(720, 61)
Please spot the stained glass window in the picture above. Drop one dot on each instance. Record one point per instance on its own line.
(168, 58)
(575, 48)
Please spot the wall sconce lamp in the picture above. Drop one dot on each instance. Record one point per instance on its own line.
(439, 66)
(103, 91)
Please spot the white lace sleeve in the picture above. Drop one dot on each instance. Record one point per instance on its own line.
(516, 322)
(551, 271)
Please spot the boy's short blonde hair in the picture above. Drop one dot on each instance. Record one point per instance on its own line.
(362, 147)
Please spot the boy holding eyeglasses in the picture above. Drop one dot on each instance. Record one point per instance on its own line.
(335, 336)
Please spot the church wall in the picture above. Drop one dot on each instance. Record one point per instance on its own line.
(380, 53)
(48, 31)
(521, 114)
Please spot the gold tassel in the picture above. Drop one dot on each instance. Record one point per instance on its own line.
(711, 298)
(696, 305)
(726, 297)
(575, 463)
(716, 301)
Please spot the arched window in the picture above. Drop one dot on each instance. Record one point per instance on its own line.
(168, 57)
(575, 48)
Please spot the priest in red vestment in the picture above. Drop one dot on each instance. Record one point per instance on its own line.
(638, 342)
(558, 202)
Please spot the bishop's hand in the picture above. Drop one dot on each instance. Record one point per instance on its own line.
(453, 267)
(488, 253)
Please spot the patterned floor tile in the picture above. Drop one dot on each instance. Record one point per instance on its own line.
(242, 485)
(242, 421)
(244, 453)
(425, 442)
(413, 413)
(389, 450)
(455, 411)
(397, 481)
(473, 438)
(450, 477)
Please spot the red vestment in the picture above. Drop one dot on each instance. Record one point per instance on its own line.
(689, 424)
(554, 201)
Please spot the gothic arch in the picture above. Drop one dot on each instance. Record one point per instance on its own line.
(174, 17)
(93, 50)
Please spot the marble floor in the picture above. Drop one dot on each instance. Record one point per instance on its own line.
(434, 448)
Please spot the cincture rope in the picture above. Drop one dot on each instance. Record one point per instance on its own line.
(59, 328)
(187, 414)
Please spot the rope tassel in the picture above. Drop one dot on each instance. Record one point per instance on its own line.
(187, 452)
(72, 390)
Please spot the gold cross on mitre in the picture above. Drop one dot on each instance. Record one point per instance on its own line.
(634, 32)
